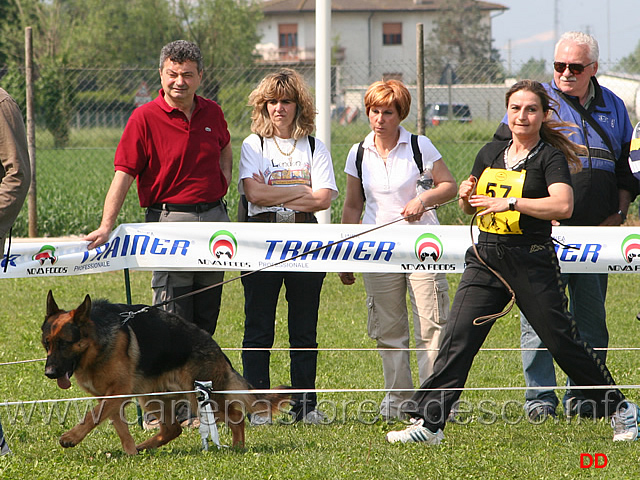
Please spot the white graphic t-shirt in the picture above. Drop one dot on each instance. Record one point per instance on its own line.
(299, 168)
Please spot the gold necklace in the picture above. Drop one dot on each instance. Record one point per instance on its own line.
(295, 142)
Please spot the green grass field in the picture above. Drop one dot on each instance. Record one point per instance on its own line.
(71, 184)
(493, 443)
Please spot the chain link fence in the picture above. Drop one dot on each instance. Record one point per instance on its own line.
(81, 113)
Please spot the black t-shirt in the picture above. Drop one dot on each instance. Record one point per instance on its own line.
(545, 168)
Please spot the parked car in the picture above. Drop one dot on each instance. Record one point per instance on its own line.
(439, 112)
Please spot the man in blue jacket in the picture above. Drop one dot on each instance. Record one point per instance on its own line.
(603, 191)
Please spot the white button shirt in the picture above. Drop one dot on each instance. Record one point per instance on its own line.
(389, 187)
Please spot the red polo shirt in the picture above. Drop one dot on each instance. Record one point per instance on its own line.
(175, 160)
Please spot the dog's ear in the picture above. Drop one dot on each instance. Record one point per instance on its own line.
(52, 306)
(84, 310)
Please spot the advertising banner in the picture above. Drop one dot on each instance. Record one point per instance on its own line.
(304, 247)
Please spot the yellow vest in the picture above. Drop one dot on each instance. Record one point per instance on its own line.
(498, 182)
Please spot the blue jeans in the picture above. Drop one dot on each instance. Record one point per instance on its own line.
(587, 295)
(4, 448)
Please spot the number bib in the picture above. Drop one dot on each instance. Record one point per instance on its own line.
(498, 182)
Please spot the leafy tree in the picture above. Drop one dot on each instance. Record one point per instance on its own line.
(121, 33)
(50, 24)
(9, 16)
(55, 92)
(631, 63)
(461, 41)
(53, 88)
(534, 69)
(225, 30)
(75, 34)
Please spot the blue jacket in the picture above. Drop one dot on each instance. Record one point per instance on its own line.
(603, 172)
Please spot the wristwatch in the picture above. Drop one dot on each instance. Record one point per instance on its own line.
(623, 215)
(512, 203)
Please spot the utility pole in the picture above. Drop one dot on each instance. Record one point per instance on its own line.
(556, 21)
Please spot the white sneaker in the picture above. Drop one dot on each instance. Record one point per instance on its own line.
(315, 417)
(258, 420)
(150, 423)
(625, 423)
(416, 432)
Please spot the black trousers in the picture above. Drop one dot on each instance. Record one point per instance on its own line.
(261, 292)
(534, 275)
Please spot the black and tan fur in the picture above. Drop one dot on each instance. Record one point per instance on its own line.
(154, 351)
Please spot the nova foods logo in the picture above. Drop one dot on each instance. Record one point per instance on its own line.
(46, 253)
(428, 246)
(631, 247)
(223, 244)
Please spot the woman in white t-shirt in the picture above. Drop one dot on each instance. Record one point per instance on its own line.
(384, 179)
(286, 175)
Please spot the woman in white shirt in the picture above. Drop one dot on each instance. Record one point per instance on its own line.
(384, 179)
(286, 175)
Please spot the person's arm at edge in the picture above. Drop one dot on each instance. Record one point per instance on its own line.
(557, 206)
(15, 162)
(444, 190)
(314, 201)
(112, 204)
(226, 162)
(351, 212)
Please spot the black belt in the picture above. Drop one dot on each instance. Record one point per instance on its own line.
(193, 208)
(273, 217)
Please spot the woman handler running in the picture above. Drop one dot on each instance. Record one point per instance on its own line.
(522, 185)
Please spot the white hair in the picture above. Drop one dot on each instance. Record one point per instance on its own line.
(580, 38)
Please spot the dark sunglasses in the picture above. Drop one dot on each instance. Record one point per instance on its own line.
(574, 68)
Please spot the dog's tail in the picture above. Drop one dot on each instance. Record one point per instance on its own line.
(257, 402)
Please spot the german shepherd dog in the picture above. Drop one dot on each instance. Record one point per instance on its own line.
(112, 354)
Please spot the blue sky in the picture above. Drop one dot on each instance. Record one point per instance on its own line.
(529, 25)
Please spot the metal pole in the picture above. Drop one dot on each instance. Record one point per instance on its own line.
(31, 132)
(420, 76)
(323, 82)
(449, 91)
(127, 285)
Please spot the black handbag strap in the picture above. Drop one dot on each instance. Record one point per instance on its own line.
(575, 104)
(417, 157)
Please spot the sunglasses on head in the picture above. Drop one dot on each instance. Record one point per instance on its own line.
(574, 68)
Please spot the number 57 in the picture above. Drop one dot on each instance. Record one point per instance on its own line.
(492, 192)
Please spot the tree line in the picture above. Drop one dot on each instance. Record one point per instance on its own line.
(71, 35)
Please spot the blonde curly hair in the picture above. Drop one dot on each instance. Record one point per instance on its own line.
(288, 84)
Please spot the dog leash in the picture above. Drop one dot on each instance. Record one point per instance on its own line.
(126, 316)
(494, 316)
(129, 315)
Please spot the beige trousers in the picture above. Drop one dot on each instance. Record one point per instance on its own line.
(388, 324)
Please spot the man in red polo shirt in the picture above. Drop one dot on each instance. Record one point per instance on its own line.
(178, 148)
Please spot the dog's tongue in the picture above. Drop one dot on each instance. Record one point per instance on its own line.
(64, 382)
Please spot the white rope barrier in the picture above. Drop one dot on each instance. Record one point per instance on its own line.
(320, 390)
(335, 390)
(364, 349)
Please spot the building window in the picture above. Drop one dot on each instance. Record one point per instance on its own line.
(288, 36)
(392, 33)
